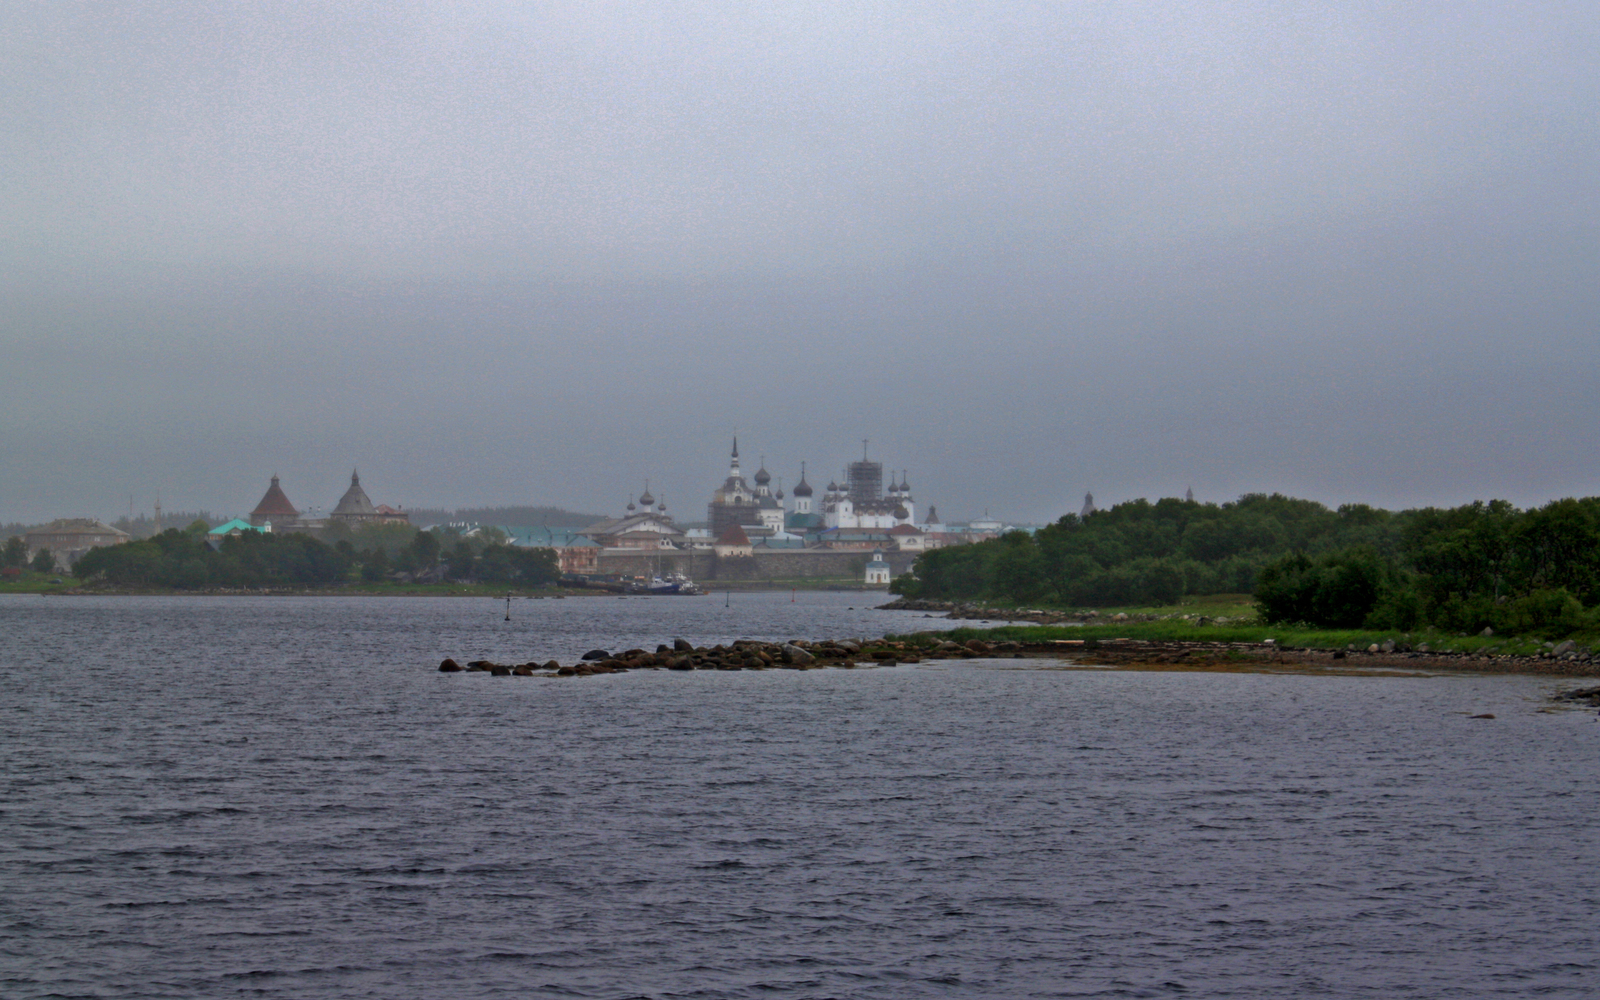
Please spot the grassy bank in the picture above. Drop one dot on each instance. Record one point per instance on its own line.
(1232, 618)
(37, 583)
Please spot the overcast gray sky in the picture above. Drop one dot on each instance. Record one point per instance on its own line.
(538, 254)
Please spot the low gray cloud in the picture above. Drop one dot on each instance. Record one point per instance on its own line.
(504, 255)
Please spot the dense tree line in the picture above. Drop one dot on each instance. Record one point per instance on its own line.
(186, 560)
(1464, 568)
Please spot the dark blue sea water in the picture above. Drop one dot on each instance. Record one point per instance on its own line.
(282, 798)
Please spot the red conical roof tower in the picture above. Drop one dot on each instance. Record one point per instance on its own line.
(274, 506)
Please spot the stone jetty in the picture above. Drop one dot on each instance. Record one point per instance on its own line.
(747, 654)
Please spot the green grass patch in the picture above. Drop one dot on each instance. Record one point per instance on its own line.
(1178, 630)
(37, 583)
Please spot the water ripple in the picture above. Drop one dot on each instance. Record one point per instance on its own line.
(279, 798)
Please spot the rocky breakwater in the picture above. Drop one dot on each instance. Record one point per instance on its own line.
(746, 654)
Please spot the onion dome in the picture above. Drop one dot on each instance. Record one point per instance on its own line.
(763, 477)
(780, 493)
(905, 486)
(833, 487)
(645, 498)
(631, 507)
(900, 513)
(802, 488)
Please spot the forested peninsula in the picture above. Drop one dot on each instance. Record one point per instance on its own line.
(1461, 569)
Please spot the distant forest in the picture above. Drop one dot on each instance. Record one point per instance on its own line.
(1464, 568)
(184, 560)
(554, 517)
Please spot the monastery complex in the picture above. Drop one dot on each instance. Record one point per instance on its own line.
(754, 531)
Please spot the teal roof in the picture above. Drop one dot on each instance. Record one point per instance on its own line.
(538, 536)
(237, 524)
(783, 540)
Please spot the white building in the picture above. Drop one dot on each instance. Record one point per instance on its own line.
(877, 570)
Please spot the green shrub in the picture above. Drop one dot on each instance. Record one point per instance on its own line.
(1335, 590)
(1547, 613)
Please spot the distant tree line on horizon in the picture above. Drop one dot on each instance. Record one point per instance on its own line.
(185, 560)
(554, 517)
(1462, 569)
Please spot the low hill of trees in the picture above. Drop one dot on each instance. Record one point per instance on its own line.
(1464, 568)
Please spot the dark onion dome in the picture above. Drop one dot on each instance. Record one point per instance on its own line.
(646, 499)
(833, 487)
(631, 506)
(900, 513)
(803, 488)
(763, 477)
(780, 494)
(905, 486)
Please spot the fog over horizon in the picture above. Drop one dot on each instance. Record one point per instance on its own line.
(503, 255)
